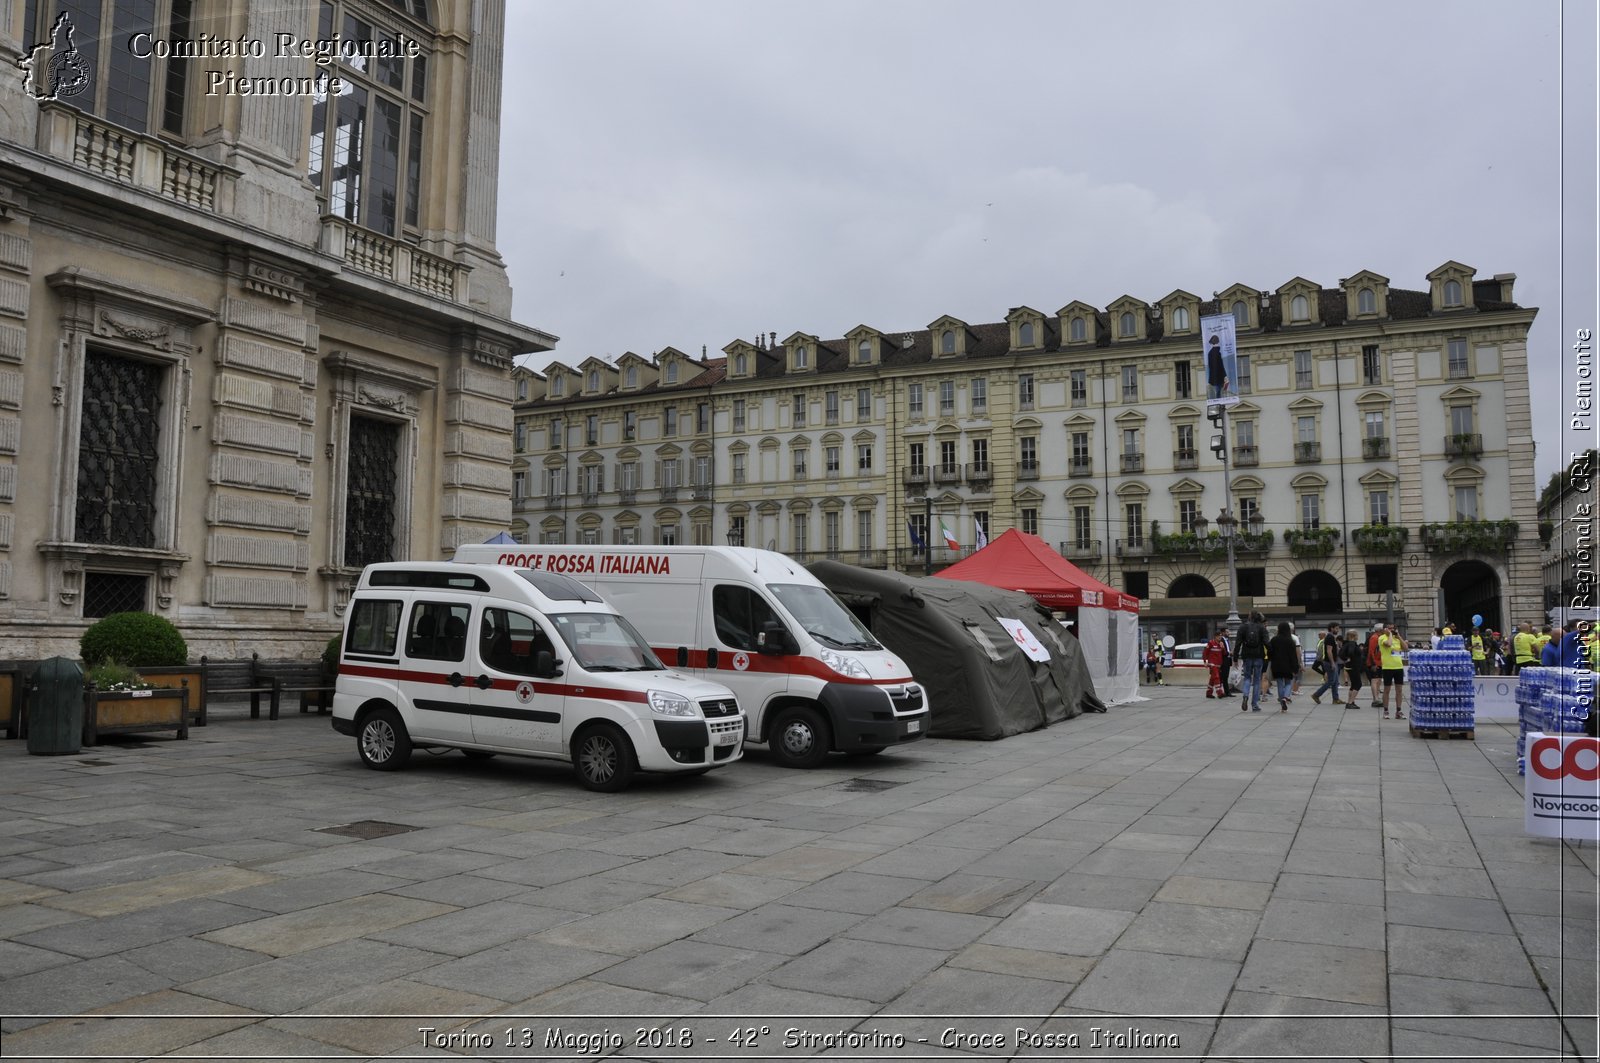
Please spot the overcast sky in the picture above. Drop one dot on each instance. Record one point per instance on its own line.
(687, 173)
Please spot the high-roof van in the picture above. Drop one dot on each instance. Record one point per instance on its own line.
(492, 659)
(808, 674)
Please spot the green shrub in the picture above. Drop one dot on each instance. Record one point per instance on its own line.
(330, 654)
(138, 640)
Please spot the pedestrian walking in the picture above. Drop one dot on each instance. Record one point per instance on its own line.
(1524, 646)
(1214, 655)
(1480, 653)
(1227, 662)
(1391, 654)
(1252, 649)
(1328, 663)
(1283, 658)
(1374, 662)
(1299, 660)
(1353, 655)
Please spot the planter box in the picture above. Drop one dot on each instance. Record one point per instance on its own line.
(133, 711)
(177, 676)
(11, 700)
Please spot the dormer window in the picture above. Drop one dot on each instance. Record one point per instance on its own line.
(800, 357)
(1366, 302)
(1180, 319)
(947, 342)
(1077, 331)
(1025, 334)
(1452, 293)
(672, 372)
(1126, 326)
(594, 380)
(1241, 314)
(741, 364)
(632, 376)
(1299, 309)
(558, 386)
(864, 352)
(522, 388)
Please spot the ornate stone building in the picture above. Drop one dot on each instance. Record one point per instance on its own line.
(254, 330)
(1383, 444)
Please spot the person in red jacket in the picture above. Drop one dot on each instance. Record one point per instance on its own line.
(1215, 655)
(1374, 663)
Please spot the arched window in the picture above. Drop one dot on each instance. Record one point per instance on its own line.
(1191, 586)
(1025, 334)
(672, 372)
(1299, 309)
(1366, 302)
(947, 342)
(1126, 325)
(558, 386)
(740, 363)
(633, 375)
(1452, 293)
(1241, 314)
(1180, 319)
(1078, 330)
(594, 380)
(864, 351)
(800, 357)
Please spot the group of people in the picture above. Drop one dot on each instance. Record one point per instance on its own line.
(1262, 655)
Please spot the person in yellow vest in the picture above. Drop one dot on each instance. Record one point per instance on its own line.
(1391, 650)
(1592, 649)
(1524, 646)
(1480, 656)
(1540, 641)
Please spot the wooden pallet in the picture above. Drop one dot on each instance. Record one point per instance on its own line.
(1442, 732)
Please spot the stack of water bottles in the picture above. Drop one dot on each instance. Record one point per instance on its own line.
(1441, 686)
(1565, 699)
(1532, 682)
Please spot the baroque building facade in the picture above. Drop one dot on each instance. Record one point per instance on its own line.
(1382, 450)
(254, 329)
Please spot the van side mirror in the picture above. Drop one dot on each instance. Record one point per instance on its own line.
(545, 665)
(772, 638)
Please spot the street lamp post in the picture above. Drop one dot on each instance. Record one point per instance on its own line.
(1226, 526)
(927, 532)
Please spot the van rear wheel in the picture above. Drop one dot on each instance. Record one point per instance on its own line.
(382, 741)
(800, 738)
(603, 758)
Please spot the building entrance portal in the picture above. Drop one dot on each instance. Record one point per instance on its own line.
(1468, 589)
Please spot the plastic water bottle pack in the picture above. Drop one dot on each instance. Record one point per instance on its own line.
(1441, 687)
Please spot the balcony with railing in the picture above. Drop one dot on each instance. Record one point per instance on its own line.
(1375, 448)
(591, 498)
(1185, 458)
(701, 492)
(628, 496)
(1463, 444)
(1246, 455)
(1080, 467)
(669, 494)
(555, 501)
(949, 473)
(1132, 462)
(1133, 547)
(980, 474)
(1027, 470)
(393, 260)
(1307, 453)
(134, 159)
(914, 476)
(1080, 550)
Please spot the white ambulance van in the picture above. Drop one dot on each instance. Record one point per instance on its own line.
(810, 677)
(492, 659)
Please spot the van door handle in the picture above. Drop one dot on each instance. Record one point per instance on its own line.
(455, 679)
(484, 682)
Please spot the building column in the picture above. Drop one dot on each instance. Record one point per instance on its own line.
(477, 451)
(1523, 595)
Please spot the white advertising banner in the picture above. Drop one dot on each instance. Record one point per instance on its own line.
(1494, 697)
(1221, 359)
(1561, 790)
(1026, 639)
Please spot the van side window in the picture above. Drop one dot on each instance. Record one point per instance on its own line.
(739, 613)
(374, 627)
(438, 631)
(508, 642)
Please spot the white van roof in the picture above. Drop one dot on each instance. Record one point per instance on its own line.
(549, 591)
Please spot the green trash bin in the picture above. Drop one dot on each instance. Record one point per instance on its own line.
(55, 707)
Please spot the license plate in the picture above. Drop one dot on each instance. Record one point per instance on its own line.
(728, 738)
(913, 726)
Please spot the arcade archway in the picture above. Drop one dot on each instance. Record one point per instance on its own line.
(1191, 586)
(1468, 589)
(1318, 593)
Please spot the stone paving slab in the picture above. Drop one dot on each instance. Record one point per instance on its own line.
(1254, 886)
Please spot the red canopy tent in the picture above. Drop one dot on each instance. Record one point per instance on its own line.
(1018, 561)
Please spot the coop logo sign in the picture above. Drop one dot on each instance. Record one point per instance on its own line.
(1561, 791)
(54, 69)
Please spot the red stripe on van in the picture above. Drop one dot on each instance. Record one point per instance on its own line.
(443, 678)
(764, 664)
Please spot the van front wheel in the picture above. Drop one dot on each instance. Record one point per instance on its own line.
(800, 738)
(603, 758)
(382, 741)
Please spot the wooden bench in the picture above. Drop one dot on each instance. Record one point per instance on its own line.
(306, 679)
(226, 678)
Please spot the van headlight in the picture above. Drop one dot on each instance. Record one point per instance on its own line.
(844, 665)
(666, 703)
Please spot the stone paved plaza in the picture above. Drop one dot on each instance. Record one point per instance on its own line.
(1173, 878)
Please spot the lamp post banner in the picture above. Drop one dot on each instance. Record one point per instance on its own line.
(1222, 359)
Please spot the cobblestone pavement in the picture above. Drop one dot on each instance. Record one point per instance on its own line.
(1173, 878)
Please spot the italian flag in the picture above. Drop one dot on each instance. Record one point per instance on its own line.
(949, 536)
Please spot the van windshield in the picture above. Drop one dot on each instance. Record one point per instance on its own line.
(824, 617)
(605, 642)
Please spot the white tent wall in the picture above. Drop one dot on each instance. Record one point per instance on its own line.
(1110, 639)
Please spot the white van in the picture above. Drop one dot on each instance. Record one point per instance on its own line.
(809, 675)
(488, 659)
